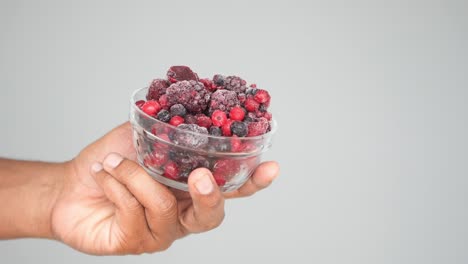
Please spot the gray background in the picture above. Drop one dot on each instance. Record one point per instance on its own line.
(371, 99)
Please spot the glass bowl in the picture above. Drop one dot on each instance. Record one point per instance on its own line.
(169, 153)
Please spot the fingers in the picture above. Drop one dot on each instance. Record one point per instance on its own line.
(129, 212)
(159, 203)
(207, 211)
(262, 178)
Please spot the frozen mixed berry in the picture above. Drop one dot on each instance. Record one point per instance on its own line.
(241, 97)
(203, 120)
(191, 94)
(181, 73)
(262, 96)
(178, 110)
(219, 118)
(151, 107)
(251, 91)
(235, 83)
(163, 102)
(190, 119)
(210, 85)
(258, 128)
(226, 128)
(176, 120)
(251, 105)
(164, 115)
(171, 170)
(267, 116)
(193, 140)
(140, 103)
(218, 80)
(157, 88)
(157, 159)
(237, 113)
(236, 144)
(187, 161)
(215, 131)
(239, 129)
(223, 100)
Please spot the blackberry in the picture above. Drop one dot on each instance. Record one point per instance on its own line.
(181, 73)
(235, 83)
(223, 100)
(218, 80)
(191, 94)
(157, 88)
(215, 131)
(164, 116)
(189, 139)
(239, 128)
(178, 110)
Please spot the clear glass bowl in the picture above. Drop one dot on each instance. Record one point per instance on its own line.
(169, 153)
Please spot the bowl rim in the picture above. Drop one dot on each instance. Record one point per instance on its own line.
(273, 124)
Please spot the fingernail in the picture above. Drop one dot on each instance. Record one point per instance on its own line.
(113, 160)
(96, 167)
(204, 185)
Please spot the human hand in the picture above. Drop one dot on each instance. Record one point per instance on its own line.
(110, 205)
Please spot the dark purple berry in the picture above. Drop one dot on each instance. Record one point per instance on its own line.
(218, 79)
(178, 110)
(239, 128)
(181, 73)
(190, 119)
(215, 131)
(164, 116)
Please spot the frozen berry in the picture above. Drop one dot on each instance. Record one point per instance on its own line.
(203, 120)
(237, 113)
(251, 105)
(151, 107)
(157, 159)
(210, 85)
(215, 131)
(171, 170)
(223, 100)
(253, 85)
(236, 144)
(190, 119)
(178, 110)
(194, 140)
(225, 169)
(191, 94)
(241, 97)
(218, 80)
(239, 128)
(262, 96)
(163, 102)
(157, 88)
(257, 128)
(226, 128)
(251, 91)
(267, 115)
(140, 103)
(176, 120)
(235, 83)
(219, 179)
(163, 115)
(162, 143)
(181, 73)
(219, 118)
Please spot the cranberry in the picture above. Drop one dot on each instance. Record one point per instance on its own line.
(151, 107)
(171, 170)
(176, 120)
(140, 103)
(237, 113)
(219, 118)
(226, 128)
(251, 105)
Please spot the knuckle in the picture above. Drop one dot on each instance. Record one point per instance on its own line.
(130, 170)
(131, 203)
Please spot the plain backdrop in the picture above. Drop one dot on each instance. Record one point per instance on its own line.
(370, 96)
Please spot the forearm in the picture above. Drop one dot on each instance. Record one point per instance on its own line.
(28, 191)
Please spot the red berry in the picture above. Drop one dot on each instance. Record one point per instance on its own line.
(258, 128)
(176, 120)
(253, 85)
(172, 80)
(209, 85)
(160, 145)
(268, 116)
(226, 128)
(262, 96)
(237, 113)
(151, 107)
(219, 179)
(171, 170)
(236, 144)
(219, 118)
(140, 103)
(156, 159)
(163, 102)
(203, 120)
(251, 105)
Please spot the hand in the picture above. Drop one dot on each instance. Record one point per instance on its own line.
(110, 205)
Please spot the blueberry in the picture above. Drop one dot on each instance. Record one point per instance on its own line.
(239, 128)
(164, 116)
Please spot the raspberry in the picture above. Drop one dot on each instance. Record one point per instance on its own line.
(223, 100)
(251, 105)
(257, 128)
(203, 120)
(171, 170)
(191, 94)
(219, 118)
(209, 85)
(235, 84)
(237, 113)
(163, 115)
(215, 131)
(163, 102)
(140, 103)
(218, 80)
(190, 119)
(157, 88)
(151, 107)
(189, 139)
(176, 120)
(181, 73)
(262, 96)
(239, 128)
(226, 128)
(178, 110)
